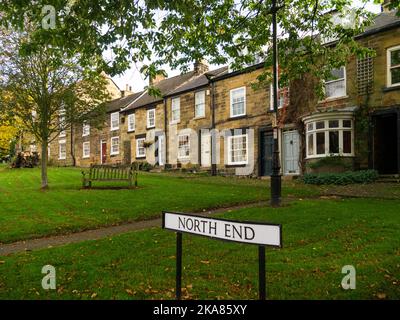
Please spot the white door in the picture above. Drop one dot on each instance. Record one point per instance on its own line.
(291, 150)
(205, 149)
(161, 150)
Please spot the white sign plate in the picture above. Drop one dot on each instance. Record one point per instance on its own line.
(265, 234)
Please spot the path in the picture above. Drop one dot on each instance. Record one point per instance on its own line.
(49, 242)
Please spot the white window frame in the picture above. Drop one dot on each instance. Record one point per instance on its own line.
(85, 156)
(138, 155)
(113, 153)
(114, 115)
(244, 102)
(199, 104)
(337, 80)
(184, 157)
(230, 141)
(85, 130)
(326, 131)
(60, 155)
(61, 122)
(390, 67)
(131, 119)
(149, 125)
(176, 107)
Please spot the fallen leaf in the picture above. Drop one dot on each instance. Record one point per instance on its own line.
(381, 295)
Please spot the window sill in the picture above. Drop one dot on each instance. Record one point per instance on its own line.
(114, 154)
(330, 155)
(198, 118)
(394, 87)
(238, 117)
(62, 158)
(86, 157)
(175, 122)
(114, 129)
(236, 165)
(148, 128)
(86, 135)
(333, 99)
(130, 131)
(141, 157)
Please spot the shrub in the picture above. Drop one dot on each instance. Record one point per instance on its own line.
(142, 165)
(349, 177)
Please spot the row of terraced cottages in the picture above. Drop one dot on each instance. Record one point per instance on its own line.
(215, 119)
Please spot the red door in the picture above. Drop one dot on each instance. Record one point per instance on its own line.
(103, 152)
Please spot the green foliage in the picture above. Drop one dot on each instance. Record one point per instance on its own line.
(235, 32)
(345, 178)
(331, 161)
(142, 165)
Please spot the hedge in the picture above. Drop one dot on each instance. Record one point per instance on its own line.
(344, 178)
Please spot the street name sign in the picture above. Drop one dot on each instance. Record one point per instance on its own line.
(256, 233)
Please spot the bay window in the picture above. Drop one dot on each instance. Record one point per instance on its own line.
(331, 136)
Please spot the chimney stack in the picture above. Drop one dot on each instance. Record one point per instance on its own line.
(200, 67)
(159, 77)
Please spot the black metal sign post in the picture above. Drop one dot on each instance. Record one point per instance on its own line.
(178, 265)
(262, 294)
(261, 234)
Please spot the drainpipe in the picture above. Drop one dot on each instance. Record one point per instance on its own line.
(166, 132)
(213, 140)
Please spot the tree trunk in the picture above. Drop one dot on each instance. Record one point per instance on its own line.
(45, 182)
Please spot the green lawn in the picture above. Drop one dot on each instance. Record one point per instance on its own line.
(26, 212)
(319, 237)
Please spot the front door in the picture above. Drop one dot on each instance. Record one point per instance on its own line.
(291, 150)
(161, 150)
(386, 143)
(103, 156)
(205, 149)
(266, 152)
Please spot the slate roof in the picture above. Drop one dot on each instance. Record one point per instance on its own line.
(198, 81)
(117, 104)
(382, 21)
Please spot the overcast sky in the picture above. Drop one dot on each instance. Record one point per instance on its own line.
(133, 77)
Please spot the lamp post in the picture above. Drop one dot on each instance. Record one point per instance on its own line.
(276, 182)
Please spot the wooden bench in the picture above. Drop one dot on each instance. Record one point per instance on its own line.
(110, 173)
